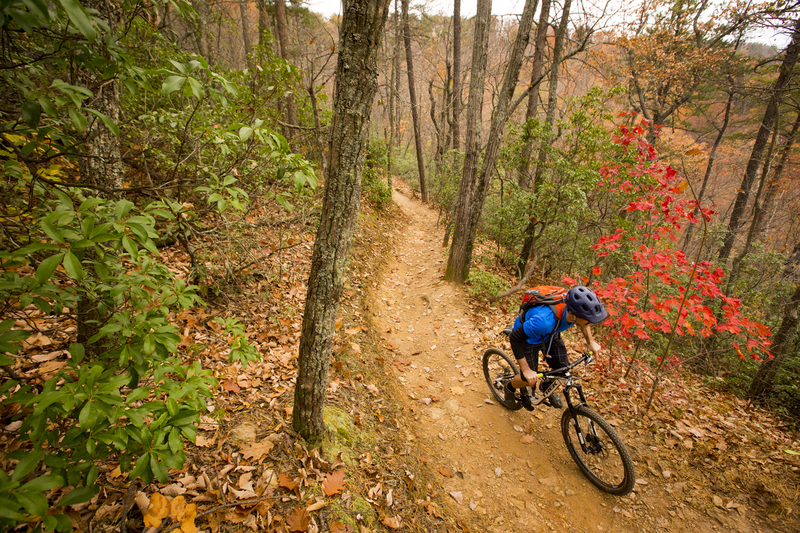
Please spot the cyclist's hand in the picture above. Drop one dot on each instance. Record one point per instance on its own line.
(530, 377)
(595, 347)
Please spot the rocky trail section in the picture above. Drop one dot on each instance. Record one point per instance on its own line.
(508, 469)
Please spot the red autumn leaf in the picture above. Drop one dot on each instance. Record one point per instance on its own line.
(334, 483)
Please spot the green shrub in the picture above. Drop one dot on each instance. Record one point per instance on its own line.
(484, 285)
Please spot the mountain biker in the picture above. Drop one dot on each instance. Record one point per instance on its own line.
(539, 329)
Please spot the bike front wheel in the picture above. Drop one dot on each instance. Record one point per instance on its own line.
(602, 457)
(499, 368)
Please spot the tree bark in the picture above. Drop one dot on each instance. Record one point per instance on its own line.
(456, 266)
(550, 118)
(392, 102)
(456, 105)
(762, 137)
(361, 31)
(552, 92)
(245, 32)
(263, 20)
(782, 343)
(772, 187)
(465, 229)
(283, 40)
(524, 178)
(412, 93)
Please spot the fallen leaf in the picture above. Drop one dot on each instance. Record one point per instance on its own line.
(298, 521)
(334, 483)
(159, 510)
(257, 450)
(392, 522)
(526, 439)
(230, 385)
(458, 497)
(287, 482)
(446, 472)
(338, 527)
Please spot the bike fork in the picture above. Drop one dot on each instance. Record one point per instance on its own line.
(573, 411)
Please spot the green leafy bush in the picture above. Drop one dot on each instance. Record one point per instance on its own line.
(484, 285)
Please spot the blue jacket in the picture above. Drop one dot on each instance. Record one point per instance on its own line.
(539, 323)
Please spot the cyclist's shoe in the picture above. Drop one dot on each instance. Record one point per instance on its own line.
(510, 395)
(525, 400)
(554, 401)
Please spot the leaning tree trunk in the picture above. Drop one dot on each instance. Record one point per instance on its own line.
(283, 39)
(782, 344)
(523, 177)
(456, 264)
(412, 93)
(772, 187)
(361, 32)
(456, 105)
(762, 137)
(465, 229)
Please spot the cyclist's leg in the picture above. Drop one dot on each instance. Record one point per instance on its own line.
(556, 358)
(523, 350)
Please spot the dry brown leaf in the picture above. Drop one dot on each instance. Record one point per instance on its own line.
(288, 483)
(159, 510)
(338, 527)
(392, 522)
(230, 385)
(257, 450)
(446, 472)
(298, 521)
(203, 442)
(334, 483)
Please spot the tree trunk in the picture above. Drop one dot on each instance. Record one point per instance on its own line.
(245, 32)
(550, 118)
(263, 20)
(552, 93)
(392, 103)
(398, 46)
(361, 32)
(201, 28)
(772, 187)
(524, 177)
(456, 105)
(283, 40)
(757, 215)
(712, 156)
(456, 264)
(782, 344)
(762, 137)
(465, 230)
(412, 93)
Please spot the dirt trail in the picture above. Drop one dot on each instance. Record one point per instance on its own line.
(517, 486)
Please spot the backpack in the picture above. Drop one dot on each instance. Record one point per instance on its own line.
(553, 297)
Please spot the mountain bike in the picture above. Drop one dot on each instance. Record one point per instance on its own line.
(592, 442)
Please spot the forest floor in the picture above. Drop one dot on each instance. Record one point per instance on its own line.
(417, 443)
(512, 467)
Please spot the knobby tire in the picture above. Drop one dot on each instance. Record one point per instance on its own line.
(610, 466)
(498, 367)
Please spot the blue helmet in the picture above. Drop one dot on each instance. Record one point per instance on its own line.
(584, 303)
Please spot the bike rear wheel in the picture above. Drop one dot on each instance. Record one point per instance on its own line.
(499, 368)
(606, 461)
